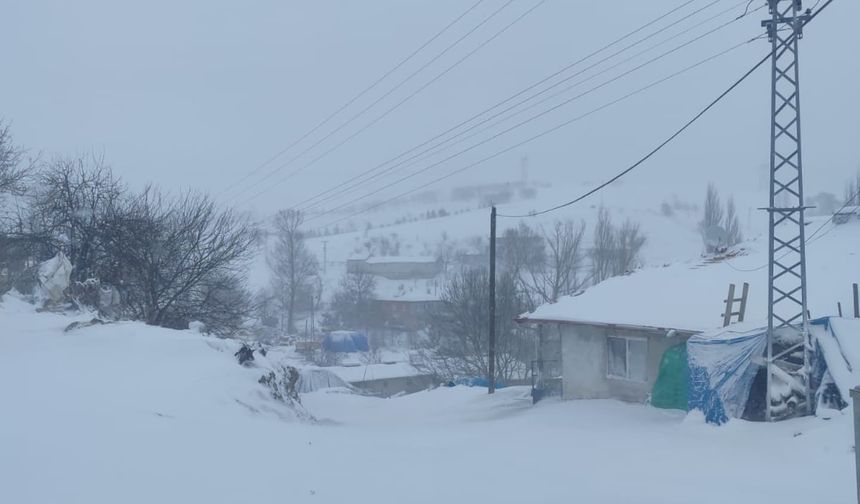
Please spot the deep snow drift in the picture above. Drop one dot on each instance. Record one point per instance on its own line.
(130, 413)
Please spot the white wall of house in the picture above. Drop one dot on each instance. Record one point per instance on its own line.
(586, 369)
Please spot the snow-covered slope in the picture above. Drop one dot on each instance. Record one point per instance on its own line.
(136, 414)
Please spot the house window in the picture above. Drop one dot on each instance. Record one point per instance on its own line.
(627, 358)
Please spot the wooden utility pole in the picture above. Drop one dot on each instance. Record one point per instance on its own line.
(491, 358)
(856, 302)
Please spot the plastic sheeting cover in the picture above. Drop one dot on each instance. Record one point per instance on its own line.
(722, 368)
(54, 275)
(345, 342)
(670, 389)
(311, 380)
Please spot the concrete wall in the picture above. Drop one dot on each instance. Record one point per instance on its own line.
(584, 362)
(387, 387)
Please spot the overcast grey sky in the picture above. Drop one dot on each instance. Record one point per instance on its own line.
(199, 93)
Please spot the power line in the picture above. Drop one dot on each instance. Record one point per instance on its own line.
(357, 96)
(462, 134)
(673, 136)
(512, 97)
(401, 102)
(541, 134)
(652, 152)
(532, 118)
(544, 100)
(386, 95)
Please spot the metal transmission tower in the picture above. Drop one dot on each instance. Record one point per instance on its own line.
(788, 345)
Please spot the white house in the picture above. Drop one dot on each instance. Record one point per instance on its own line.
(611, 338)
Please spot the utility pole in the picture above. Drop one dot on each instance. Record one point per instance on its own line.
(325, 255)
(491, 358)
(856, 301)
(788, 317)
(313, 315)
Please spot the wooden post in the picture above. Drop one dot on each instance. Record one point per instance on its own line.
(856, 302)
(744, 294)
(839, 307)
(491, 358)
(730, 300)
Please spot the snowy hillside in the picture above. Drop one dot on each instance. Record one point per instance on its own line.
(136, 414)
(670, 237)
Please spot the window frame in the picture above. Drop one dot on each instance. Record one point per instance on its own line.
(627, 340)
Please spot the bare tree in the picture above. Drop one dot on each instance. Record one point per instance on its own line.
(458, 336)
(559, 274)
(629, 241)
(352, 304)
(615, 251)
(179, 259)
(733, 225)
(72, 199)
(604, 247)
(712, 225)
(520, 247)
(713, 209)
(13, 171)
(291, 264)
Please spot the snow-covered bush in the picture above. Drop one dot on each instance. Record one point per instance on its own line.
(281, 383)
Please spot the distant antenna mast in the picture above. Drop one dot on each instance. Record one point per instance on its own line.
(788, 318)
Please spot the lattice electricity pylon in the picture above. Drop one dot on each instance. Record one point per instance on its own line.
(788, 344)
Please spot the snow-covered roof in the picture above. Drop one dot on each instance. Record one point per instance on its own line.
(366, 372)
(689, 295)
(401, 259)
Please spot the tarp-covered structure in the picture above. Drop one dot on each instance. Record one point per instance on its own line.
(345, 342)
(727, 376)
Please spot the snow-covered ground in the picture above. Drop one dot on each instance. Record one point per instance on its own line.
(130, 413)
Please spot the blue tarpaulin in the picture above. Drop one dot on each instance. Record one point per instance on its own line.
(723, 366)
(345, 342)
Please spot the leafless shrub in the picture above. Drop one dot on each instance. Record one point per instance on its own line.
(180, 259)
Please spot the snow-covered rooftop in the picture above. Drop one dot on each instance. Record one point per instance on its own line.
(689, 295)
(400, 259)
